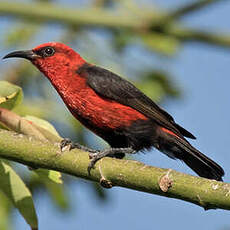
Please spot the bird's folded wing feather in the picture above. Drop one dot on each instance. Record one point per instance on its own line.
(112, 86)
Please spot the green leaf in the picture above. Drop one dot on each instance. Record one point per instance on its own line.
(15, 189)
(53, 182)
(10, 95)
(54, 176)
(5, 209)
(45, 128)
(54, 185)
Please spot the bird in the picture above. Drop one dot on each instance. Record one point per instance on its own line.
(115, 110)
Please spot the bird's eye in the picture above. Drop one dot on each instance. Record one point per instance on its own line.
(49, 51)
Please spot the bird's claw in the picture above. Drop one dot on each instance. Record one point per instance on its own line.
(93, 155)
(66, 143)
(97, 155)
(93, 159)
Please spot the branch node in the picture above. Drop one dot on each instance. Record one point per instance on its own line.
(215, 186)
(203, 204)
(65, 145)
(165, 182)
(103, 181)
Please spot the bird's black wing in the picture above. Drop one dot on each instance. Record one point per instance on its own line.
(112, 86)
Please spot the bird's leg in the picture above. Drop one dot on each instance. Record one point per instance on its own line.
(96, 155)
(67, 142)
(112, 152)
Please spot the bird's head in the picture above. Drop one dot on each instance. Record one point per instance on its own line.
(51, 58)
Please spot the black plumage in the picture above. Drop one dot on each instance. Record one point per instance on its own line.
(144, 134)
(112, 86)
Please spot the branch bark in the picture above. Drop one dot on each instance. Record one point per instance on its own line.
(74, 17)
(144, 23)
(208, 194)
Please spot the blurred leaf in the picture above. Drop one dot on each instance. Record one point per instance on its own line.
(18, 124)
(21, 125)
(54, 176)
(58, 194)
(40, 110)
(10, 95)
(122, 38)
(165, 80)
(54, 186)
(2, 126)
(45, 125)
(153, 89)
(157, 85)
(15, 189)
(21, 33)
(160, 43)
(5, 208)
(36, 127)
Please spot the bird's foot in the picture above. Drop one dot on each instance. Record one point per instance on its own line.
(67, 143)
(112, 152)
(95, 155)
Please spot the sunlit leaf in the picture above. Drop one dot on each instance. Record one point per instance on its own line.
(15, 189)
(54, 176)
(10, 95)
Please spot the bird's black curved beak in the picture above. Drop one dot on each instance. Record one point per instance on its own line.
(27, 54)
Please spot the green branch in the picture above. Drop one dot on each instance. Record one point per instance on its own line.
(191, 7)
(144, 23)
(74, 17)
(184, 34)
(208, 194)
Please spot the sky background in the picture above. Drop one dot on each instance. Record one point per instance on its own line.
(204, 75)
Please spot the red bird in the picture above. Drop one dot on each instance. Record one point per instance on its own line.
(115, 110)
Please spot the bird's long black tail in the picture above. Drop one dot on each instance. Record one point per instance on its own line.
(197, 161)
(202, 165)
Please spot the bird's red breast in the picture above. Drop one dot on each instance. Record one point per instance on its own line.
(84, 102)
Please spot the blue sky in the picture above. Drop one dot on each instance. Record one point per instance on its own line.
(203, 73)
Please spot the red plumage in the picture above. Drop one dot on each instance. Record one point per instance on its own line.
(81, 99)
